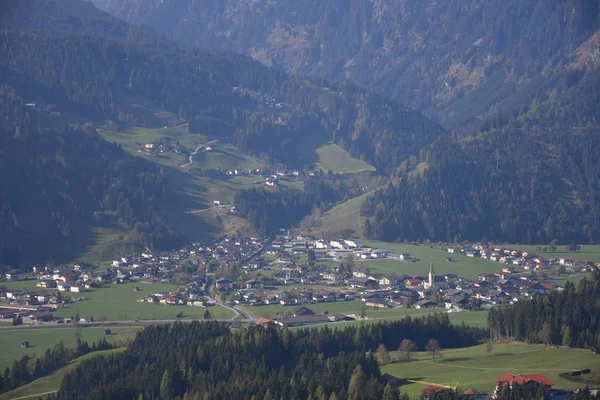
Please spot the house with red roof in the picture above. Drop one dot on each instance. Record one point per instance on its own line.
(263, 321)
(517, 380)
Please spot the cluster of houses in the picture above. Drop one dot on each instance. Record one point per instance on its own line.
(164, 145)
(186, 267)
(382, 291)
(429, 290)
(524, 259)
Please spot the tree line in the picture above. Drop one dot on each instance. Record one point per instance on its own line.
(570, 317)
(206, 360)
(29, 368)
(532, 181)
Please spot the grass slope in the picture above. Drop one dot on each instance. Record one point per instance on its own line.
(473, 368)
(42, 339)
(333, 157)
(52, 382)
(194, 188)
(343, 217)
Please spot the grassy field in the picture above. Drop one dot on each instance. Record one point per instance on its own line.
(42, 339)
(587, 252)
(333, 157)
(52, 382)
(373, 315)
(473, 368)
(461, 265)
(118, 303)
(343, 217)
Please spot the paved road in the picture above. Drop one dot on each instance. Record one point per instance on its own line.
(191, 161)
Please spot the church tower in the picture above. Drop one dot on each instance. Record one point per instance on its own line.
(431, 276)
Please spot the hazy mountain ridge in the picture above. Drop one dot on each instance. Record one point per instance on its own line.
(456, 60)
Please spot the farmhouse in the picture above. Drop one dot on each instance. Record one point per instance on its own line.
(302, 320)
(254, 284)
(518, 380)
(40, 316)
(425, 304)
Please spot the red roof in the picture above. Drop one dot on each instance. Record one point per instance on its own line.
(262, 320)
(522, 379)
(471, 391)
(434, 389)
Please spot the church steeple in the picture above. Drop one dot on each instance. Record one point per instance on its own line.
(431, 275)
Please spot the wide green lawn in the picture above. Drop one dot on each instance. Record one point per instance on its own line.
(333, 157)
(42, 339)
(118, 303)
(587, 252)
(373, 315)
(474, 368)
(460, 265)
(53, 381)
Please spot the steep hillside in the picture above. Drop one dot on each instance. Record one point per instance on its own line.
(532, 181)
(58, 181)
(456, 60)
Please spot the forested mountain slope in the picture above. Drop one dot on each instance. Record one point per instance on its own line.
(75, 63)
(458, 60)
(108, 68)
(531, 181)
(57, 181)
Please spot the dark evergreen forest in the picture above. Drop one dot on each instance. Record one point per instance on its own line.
(567, 318)
(205, 360)
(531, 181)
(456, 60)
(76, 63)
(57, 180)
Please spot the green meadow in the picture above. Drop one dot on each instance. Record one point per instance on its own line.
(474, 368)
(333, 157)
(118, 303)
(42, 339)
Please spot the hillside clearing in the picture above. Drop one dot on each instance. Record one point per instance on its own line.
(337, 160)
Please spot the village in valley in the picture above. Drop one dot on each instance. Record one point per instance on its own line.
(243, 274)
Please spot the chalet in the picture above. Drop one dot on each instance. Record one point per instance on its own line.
(302, 320)
(299, 311)
(46, 284)
(361, 272)
(341, 317)
(14, 276)
(518, 380)
(379, 253)
(40, 316)
(362, 282)
(353, 244)
(405, 256)
(223, 284)
(376, 304)
(425, 304)
(254, 284)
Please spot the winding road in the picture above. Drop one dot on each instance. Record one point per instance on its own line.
(191, 161)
